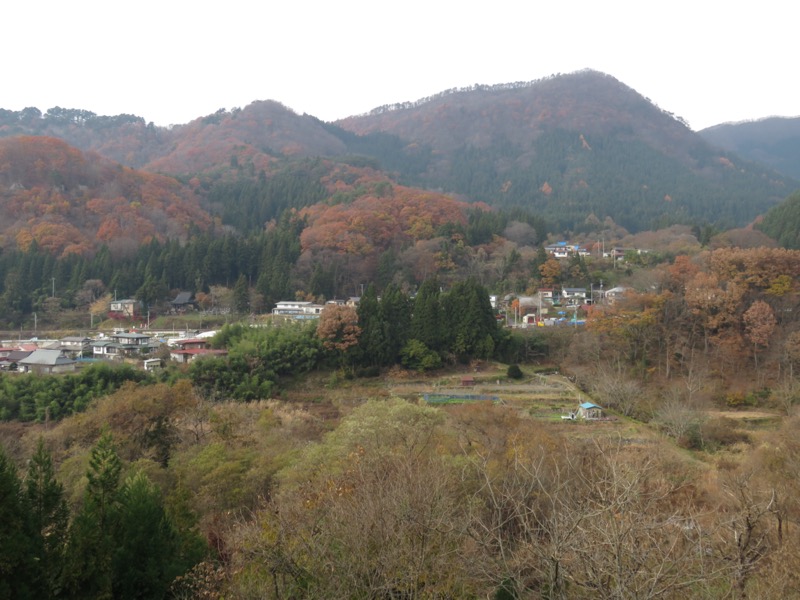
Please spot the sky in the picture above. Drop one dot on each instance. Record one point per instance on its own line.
(171, 61)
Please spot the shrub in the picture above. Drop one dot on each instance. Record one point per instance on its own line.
(718, 433)
(514, 372)
(371, 371)
(416, 355)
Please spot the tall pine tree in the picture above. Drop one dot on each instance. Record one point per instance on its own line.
(91, 544)
(17, 575)
(427, 324)
(147, 553)
(49, 521)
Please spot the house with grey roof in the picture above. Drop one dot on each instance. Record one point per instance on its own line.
(183, 301)
(74, 345)
(44, 361)
(9, 358)
(123, 345)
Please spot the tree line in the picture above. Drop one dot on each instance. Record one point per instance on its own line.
(266, 260)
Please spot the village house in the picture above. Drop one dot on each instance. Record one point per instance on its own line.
(133, 344)
(44, 361)
(615, 294)
(124, 309)
(297, 310)
(187, 350)
(104, 348)
(122, 345)
(182, 303)
(573, 296)
(559, 250)
(10, 357)
(566, 250)
(546, 295)
(6, 350)
(73, 346)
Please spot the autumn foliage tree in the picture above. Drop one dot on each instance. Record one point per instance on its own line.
(339, 331)
(759, 323)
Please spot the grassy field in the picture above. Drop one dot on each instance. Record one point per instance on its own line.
(541, 396)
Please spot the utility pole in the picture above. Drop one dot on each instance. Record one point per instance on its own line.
(53, 295)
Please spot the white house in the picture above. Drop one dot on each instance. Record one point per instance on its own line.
(297, 310)
(573, 296)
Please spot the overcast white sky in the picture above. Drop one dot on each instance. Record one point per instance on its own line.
(171, 61)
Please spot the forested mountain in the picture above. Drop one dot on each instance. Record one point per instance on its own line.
(572, 145)
(782, 222)
(69, 202)
(260, 131)
(126, 139)
(774, 141)
(254, 135)
(563, 147)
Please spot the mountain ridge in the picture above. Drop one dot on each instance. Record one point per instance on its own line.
(773, 141)
(566, 147)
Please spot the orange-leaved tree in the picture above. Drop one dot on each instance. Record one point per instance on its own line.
(338, 329)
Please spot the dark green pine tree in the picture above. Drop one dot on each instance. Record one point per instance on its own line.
(484, 332)
(372, 348)
(88, 569)
(387, 268)
(395, 314)
(471, 326)
(427, 324)
(49, 521)
(17, 574)
(147, 556)
(241, 295)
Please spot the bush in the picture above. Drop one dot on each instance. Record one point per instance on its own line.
(417, 356)
(371, 371)
(718, 433)
(514, 372)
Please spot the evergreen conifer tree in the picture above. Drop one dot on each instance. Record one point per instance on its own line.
(427, 324)
(241, 295)
(49, 520)
(147, 551)
(372, 346)
(395, 314)
(17, 576)
(90, 548)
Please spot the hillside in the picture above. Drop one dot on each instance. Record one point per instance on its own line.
(253, 135)
(68, 201)
(565, 148)
(782, 222)
(125, 139)
(573, 145)
(774, 141)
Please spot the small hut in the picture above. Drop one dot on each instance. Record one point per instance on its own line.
(589, 411)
